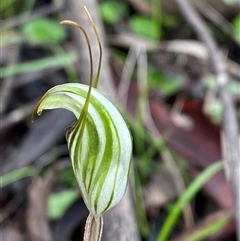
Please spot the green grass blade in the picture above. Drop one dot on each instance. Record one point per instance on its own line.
(189, 193)
(211, 230)
(17, 175)
(37, 65)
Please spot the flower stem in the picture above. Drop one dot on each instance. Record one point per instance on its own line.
(93, 228)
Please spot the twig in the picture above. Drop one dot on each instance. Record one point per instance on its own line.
(230, 126)
(124, 85)
(7, 84)
(207, 10)
(120, 222)
(36, 220)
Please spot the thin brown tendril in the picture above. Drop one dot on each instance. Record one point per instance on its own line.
(100, 48)
(85, 107)
(81, 121)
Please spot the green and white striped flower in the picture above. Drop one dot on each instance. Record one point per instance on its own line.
(99, 143)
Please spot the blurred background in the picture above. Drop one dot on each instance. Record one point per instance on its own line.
(158, 73)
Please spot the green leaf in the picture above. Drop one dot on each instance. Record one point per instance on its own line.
(108, 11)
(236, 28)
(145, 27)
(58, 203)
(165, 84)
(44, 31)
(17, 175)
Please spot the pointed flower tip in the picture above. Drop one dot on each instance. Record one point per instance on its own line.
(39, 112)
(33, 115)
(36, 110)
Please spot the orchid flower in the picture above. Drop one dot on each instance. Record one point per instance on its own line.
(99, 142)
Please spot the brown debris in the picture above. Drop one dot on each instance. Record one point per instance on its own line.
(37, 220)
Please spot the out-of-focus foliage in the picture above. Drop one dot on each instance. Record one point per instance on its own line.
(17, 175)
(59, 202)
(209, 231)
(10, 8)
(145, 26)
(236, 27)
(108, 11)
(188, 194)
(165, 84)
(230, 1)
(44, 31)
(39, 64)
